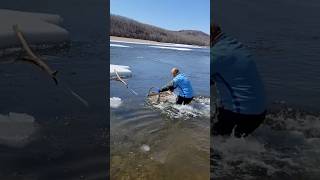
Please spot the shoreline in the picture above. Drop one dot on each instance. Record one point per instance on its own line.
(142, 41)
(132, 40)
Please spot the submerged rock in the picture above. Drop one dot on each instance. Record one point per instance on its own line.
(145, 148)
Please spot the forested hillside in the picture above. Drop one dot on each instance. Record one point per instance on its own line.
(129, 28)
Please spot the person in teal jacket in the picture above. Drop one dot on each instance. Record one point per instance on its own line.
(183, 86)
(241, 104)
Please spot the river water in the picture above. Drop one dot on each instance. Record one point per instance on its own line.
(284, 39)
(46, 133)
(165, 141)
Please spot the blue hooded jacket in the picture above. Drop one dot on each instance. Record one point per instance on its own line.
(183, 85)
(180, 83)
(239, 86)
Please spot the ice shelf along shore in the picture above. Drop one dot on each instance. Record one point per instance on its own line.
(123, 71)
(38, 28)
(153, 43)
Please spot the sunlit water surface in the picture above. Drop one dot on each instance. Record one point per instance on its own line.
(163, 141)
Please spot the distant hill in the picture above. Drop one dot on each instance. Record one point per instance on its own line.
(129, 28)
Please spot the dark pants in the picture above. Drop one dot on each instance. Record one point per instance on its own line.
(242, 124)
(183, 100)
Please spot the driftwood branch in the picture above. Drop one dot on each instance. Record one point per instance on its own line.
(31, 55)
(120, 79)
(34, 59)
(126, 84)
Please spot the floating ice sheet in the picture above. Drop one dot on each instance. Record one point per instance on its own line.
(16, 129)
(115, 102)
(123, 71)
(38, 28)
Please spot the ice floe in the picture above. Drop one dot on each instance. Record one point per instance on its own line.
(123, 71)
(16, 129)
(38, 28)
(115, 102)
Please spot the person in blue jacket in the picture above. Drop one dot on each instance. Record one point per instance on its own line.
(183, 86)
(241, 104)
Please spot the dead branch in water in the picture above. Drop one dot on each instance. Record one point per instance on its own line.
(126, 84)
(34, 59)
(120, 79)
(31, 55)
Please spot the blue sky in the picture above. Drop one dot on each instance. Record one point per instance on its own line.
(168, 14)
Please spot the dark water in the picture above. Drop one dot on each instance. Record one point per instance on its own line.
(54, 135)
(178, 136)
(284, 38)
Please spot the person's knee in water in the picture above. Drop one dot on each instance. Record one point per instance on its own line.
(239, 88)
(182, 85)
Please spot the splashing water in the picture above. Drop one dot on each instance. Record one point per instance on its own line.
(199, 107)
(286, 146)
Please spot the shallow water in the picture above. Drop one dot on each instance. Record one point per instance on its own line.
(164, 141)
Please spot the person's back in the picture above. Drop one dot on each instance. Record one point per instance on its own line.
(183, 85)
(240, 92)
(238, 83)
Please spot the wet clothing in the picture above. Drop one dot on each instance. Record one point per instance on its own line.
(182, 100)
(240, 124)
(240, 91)
(183, 87)
(238, 82)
